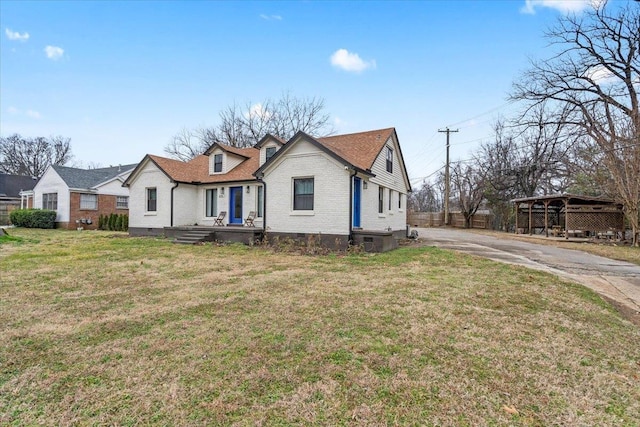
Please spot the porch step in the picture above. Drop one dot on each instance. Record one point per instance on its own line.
(192, 237)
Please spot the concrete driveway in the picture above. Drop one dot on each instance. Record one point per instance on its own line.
(617, 280)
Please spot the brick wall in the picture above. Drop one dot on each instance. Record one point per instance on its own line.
(106, 206)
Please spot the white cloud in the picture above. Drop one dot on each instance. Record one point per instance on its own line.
(33, 114)
(600, 75)
(54, 52)
(257, 110)
(564, 6)
(352, 62)
(29, 113)
(271, 17)
(14, 35)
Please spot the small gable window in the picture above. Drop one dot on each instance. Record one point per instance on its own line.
(217, 163)
(389, 160)
(270, 151)
(303, 194)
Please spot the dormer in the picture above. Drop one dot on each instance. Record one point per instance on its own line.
(222, 159)
(268, 146)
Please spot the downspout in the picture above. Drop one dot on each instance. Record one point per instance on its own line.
(172, 188)
(351, 204)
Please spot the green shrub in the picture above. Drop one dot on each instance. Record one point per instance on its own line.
(111, 224)
(33, 218)
(118, 226)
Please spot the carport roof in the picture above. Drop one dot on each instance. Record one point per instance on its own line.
(567, 197)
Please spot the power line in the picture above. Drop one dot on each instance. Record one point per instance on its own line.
(483, 114)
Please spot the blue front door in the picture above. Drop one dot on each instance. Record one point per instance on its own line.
(235, 205)
(356, 201)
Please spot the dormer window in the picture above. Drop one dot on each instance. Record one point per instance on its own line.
(217, 163)
(270, 151)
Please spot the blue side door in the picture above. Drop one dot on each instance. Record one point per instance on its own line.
(357, 185)
(235, 205)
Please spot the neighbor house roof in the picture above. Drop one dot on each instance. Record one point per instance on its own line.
(12, 185)
(89, 178)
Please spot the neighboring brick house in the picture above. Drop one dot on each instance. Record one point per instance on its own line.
(80, 196)
(344, 188)
(12, 190)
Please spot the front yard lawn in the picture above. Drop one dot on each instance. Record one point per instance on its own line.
(97, 328)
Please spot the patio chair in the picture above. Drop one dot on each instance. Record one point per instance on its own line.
(220, 218)
(249, 220)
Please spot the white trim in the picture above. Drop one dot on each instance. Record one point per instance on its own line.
(302, 213)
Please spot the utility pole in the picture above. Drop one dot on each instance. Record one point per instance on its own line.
(446, 178)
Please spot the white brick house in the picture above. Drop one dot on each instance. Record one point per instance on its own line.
(338, 187)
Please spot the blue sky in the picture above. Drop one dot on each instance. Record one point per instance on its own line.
(121, 78)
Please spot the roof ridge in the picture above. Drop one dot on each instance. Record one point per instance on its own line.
(355, 133)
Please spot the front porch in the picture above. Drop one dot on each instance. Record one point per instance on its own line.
(195, 234)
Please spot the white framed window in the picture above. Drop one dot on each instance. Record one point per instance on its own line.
(152, 199)
(399, 201)
(389, 160)
(211, 207)
(303, 194)
(380, 199)
(89, 201)
(217, 162)
(269, 152)
(50, 201)
(260, 202)
(122, 202)
(390, 197)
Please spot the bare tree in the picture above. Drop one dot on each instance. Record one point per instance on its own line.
(595, 77)
(527, 158)
(468, 186)
(185, 145)
(426, 199)
(32, 156)
(244, 126)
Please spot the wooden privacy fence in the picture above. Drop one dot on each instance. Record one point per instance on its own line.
(456, 219)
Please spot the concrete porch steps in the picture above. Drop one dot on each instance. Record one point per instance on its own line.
(191, 237)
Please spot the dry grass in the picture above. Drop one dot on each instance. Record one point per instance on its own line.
(100, 329)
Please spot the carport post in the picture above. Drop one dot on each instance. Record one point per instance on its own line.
(566, 219)
(546, 218)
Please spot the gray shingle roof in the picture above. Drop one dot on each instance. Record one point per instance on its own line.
(11, 185)
(89, 178)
